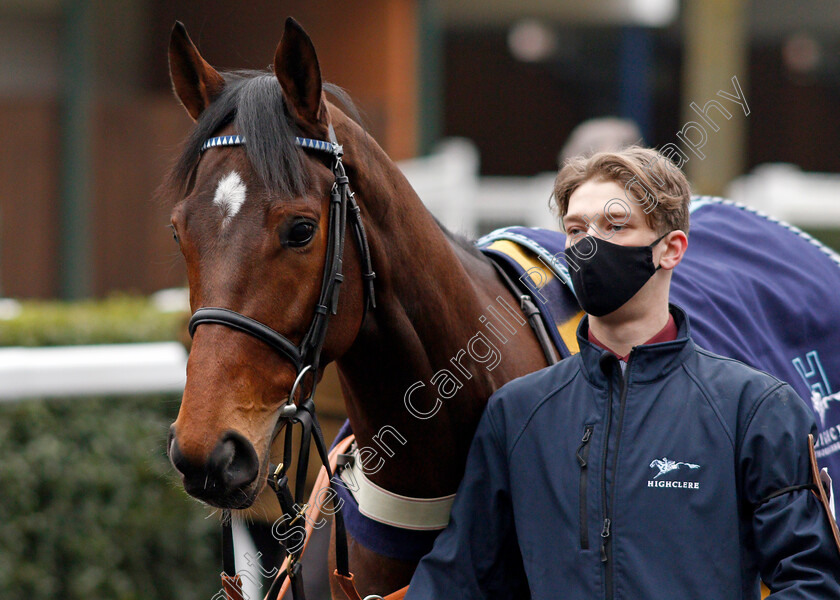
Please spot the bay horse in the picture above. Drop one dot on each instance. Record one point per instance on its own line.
(252, 221)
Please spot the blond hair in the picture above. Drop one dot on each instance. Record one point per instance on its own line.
(665, 192)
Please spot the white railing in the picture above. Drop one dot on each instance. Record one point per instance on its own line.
(449, 184)
(106, 369)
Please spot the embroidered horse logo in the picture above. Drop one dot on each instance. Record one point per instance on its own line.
(820, 403)
(666, 466)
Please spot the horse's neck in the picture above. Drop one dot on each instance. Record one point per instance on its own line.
(431, 295)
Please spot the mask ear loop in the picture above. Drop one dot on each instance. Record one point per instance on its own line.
(656, 241)
(660, 238)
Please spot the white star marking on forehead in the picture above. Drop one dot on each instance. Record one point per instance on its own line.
(230, 195)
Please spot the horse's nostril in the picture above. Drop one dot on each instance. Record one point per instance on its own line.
(179, 461)
(233, 462)
(170, 439)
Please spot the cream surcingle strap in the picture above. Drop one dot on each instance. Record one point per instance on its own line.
(377, 503)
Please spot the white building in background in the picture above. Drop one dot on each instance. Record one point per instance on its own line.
(784, 191)
(449, 184)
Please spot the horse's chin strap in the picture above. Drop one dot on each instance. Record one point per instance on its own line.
(305, 357)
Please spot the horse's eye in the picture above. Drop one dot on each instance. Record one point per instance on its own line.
(175, 234)
(301, 233)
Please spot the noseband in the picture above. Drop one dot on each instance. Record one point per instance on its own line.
(305, 357)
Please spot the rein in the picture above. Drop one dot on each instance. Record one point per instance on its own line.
(306, 358)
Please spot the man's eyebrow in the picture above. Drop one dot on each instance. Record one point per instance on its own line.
(620, 210)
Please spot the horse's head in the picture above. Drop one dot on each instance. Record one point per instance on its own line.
(252, 221)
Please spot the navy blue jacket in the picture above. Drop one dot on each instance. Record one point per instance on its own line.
(585, 483)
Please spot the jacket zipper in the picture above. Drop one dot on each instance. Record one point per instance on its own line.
(606, 544)
(605, 532)
(583, 456)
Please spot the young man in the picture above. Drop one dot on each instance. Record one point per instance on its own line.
(644, 467)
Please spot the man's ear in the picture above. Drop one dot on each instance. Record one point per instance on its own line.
(195, 82)
(297, 69)
(674, 246)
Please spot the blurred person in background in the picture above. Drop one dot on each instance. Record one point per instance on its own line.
(602, 134)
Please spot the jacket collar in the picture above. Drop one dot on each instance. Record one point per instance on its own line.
(647, 363)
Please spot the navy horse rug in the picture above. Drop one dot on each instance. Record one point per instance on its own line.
(755, 288)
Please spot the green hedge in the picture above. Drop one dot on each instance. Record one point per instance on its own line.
(89, 505)
(829, 237)
(119, 319)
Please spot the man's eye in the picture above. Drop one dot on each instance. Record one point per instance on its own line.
(300, 234)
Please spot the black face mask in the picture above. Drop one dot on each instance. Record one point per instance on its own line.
(608, 275)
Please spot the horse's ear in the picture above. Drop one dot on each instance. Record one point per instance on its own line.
(195, 82)
(296, 67)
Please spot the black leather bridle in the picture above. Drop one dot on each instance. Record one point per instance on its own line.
(305, 357)
(307, 354)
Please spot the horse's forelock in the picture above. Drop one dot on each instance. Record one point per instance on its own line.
(270, 135)
(253, 102)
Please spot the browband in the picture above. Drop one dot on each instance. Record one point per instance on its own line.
(306, 143)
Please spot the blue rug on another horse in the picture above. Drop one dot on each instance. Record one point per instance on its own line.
(755, 289)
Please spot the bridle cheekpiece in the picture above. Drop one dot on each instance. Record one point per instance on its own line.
(307, 354)
(305, 357)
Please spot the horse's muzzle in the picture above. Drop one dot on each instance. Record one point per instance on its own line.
(226, 477)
